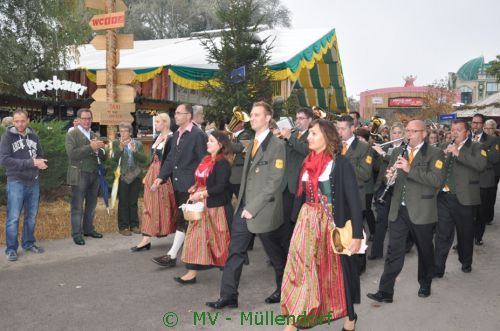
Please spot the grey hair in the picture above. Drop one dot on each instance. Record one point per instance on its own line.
(197, 109)
(491, 122)
(398, 125)
(124, 125)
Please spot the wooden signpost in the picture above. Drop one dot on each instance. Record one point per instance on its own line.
(114, 103)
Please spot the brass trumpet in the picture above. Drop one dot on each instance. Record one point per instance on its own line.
(238, 116)
(376, 123)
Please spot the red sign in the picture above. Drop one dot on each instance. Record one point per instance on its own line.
(108, 21)
(406, 102)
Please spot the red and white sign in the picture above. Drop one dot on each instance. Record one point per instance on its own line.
(108, 21)
(406, 102)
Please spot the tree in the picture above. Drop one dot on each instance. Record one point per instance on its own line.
(494, 69)
(35, 38)
(353, 104)
(161, 19)
(238, 47)
(438, 99)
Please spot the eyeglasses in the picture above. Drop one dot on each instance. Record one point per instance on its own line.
(414, 131)
(300, 118)
(179, 113)
(86, 118)
(477, 122)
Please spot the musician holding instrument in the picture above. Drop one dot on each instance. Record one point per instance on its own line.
(413, 209)
(459, 197)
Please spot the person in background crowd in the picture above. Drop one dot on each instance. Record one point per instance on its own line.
(129, 154)
(433, 138)
(22, 156)
(355, 119)
(7, 121)
(85, 151)
(159, 212)
(490, 128)
(188, 149)
(76, 122)
(199, 117)
(207, 240)
(486, 210)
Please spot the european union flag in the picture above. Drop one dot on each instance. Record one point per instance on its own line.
(237, 75)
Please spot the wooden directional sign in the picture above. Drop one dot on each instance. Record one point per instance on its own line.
(123, 76)
(112, 113)
(125, 41)
(101, 5)
(124, 94)
(108, 21)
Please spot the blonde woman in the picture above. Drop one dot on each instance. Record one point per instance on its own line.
(158, 216)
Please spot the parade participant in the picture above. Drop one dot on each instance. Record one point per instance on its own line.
(259, 208)
(296, 151)
(355, 119)
(458, 199)
(187, 151)
(129, 154)
(358, 153)
(486, 210)
(207, 240)
(382, 209)
(22, 156)
(237, 137)
(85, 151)
(490, 128)
(433, 138)
(319, 284)
(413, 209)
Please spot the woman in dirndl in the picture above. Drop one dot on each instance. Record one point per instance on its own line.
(319, 285)
(158, 215)
(207, 240)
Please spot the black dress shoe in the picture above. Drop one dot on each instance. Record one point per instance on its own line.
(274, 298)
(223, 302)
(165, 261)
(185, 282)
(380, 296)
(79, 240)
(138, 249)
(466, 268)
(479, 242)
(438, 274)
(455, 247)
(93, 234)
(424, 291)
(373, 257)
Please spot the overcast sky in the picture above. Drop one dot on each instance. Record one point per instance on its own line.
(382, 40)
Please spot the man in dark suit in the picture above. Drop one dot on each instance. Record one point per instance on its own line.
(189, 146)
(413, 209)
(486, 210)
(259, 209)
(458, 199)
(296, 151)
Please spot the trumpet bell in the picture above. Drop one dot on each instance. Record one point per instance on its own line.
(238, 116)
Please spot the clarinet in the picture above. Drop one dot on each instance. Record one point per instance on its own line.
(391, 181)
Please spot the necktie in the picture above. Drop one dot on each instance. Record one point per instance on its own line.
(344, 148)
(476, 138)
(299, 135)
(255, 147)
(412, 154)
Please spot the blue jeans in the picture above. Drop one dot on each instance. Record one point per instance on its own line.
(86, 190)
(20, 195)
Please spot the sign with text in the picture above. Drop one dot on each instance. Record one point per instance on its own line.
(447, 117)
(112, 113)
(124, 94)
(377, 101)
(101, 5)
(123, 76)
(124, 41)
(108, 21)
(406, 102)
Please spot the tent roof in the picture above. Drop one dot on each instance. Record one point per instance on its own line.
(488, 107)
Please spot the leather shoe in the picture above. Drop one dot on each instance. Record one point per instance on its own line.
(185, 282)
(93, 234)
(466, 268)
(79, 240)
(380, 296)
(274, 298)
(479, 242)
(223, 302)
(424, 291)
(165, 261)
(438, 274)
(138, 249)
(373, 257)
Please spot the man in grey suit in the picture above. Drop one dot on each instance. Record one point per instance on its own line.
(259, 209)
(458, 200)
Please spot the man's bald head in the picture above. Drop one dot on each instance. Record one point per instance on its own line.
(415, 132)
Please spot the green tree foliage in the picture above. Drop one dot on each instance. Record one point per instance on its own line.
(161, 19)
(239, 47)
(494, 69)
(35, 36)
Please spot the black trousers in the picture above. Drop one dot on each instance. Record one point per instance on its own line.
(485, 212)
(381, 224)
(240, 238)
(453, 215)
(235, 190)
(180, 223)
(128, 194)
(398, 234)
(288, 218)
(368, 214)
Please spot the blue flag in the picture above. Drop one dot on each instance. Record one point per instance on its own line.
(237, 75)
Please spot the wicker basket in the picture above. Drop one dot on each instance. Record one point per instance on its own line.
(192, 211)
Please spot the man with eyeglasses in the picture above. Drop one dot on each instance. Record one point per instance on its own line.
(296, 151)
(413, 210)
(486, 210)
(188, 148)
(85, 151)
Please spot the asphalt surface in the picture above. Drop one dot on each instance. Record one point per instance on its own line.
(104, 286)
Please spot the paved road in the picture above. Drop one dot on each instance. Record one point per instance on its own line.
(103, 286)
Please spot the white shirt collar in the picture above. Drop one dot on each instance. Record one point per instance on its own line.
(349, 141)
(85, 132)
(237, 133)
(262, 136)
(415, 149)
